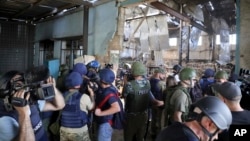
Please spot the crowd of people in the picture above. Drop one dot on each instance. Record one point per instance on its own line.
(176, 107)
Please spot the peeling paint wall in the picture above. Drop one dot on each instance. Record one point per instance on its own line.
(244, 34)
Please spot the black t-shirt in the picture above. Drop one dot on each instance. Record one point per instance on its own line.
(239, 118)
(177, 132)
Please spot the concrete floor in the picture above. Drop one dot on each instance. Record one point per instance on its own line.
(118, 136)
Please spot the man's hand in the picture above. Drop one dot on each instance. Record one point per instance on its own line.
(51, 80)
(25, 110)
(98, 112)
(90, 90)
(26, 132)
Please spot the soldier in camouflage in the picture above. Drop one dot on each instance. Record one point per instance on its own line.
(138, 98)
(180, 100)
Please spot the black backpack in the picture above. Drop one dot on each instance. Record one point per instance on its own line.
(196, 92)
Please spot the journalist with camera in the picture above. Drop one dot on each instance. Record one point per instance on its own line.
(23, 94)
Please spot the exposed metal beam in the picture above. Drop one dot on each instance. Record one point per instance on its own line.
(132, 3)
(100, 2)
(77, 2)
(59, 9)
(165, 8)
(27, 8)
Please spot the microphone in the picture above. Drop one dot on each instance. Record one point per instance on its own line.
(37, 74)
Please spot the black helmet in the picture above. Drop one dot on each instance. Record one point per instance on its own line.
(177, 68)
(216, 110)
(5, 84)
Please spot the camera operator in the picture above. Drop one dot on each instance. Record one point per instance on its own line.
(26, 132)
(13, 100)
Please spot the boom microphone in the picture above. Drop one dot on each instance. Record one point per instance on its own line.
(37, 74)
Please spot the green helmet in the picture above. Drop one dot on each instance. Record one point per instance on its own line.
(221, 75)
(63, 67)
(138, 69)
(187, 74)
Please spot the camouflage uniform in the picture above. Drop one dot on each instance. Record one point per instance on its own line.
(74, 135)
(137, 99)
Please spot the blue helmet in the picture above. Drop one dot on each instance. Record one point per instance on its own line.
(93, 64)
(209, 73)
(73, 79)
(107, 76)
(80, 68)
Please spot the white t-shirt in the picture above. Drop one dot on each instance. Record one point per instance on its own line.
(177, 78)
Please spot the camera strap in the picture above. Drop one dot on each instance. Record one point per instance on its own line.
(7, 105)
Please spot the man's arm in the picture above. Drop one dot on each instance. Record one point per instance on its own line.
(177, 116)
(112, 110)
(58, 102)
(26, 132)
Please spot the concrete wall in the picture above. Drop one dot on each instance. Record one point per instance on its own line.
(102, 25)
(244, 42)
(202, 52)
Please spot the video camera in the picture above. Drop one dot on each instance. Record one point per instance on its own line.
(33, 81)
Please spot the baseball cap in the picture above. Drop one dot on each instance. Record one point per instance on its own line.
(228, 90)
(73, 79)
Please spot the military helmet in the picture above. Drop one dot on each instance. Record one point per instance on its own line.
(73, 79)
(216, 110)
(93, 64)
(63, 67)
(209, 73)
(187, 74)
(221, 75)
(138, 68)
(80, 68)
(107, 75)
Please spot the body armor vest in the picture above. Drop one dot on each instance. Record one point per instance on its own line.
(138, 100)
(72, 115)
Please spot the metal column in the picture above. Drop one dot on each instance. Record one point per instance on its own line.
(85, 28)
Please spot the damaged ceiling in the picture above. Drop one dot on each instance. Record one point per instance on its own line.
(204, 14)
(207, 15)
(36, 10)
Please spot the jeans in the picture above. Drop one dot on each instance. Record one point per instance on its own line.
(105, 132)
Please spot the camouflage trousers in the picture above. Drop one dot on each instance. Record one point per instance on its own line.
(66, 136)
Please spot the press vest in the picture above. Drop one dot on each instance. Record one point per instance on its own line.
(36, 121)
(72, 115)
(138, 99)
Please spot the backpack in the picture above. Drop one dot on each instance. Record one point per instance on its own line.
(118, 120)
(205, 84)
(196, 92)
